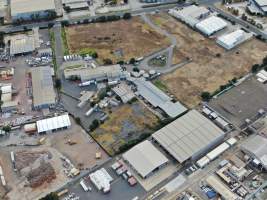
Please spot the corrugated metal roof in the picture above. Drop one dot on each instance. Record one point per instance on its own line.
(187, 135)
(144, 157)
(222, 189)
(42, 86)
(211, 25)
(28, 6)
(53, 123)
(231, 39)
(158, 98)
(124, 92)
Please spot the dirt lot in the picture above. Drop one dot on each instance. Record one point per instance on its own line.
(212, 66)
(125, 123)
(83, 144)
(120, 40)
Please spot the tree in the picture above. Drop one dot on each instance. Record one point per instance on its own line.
(255, 68)
(132, 61)
(58, 83)
(135, 69)
(107, 61)
(127, 16)
(7, 129)
(51, 196)
(264, 61)
(94, 125)
(205, 96)
(78, 120)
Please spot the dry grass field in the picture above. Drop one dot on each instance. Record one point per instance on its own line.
(119, 40)
(125, 123)
(212, 66)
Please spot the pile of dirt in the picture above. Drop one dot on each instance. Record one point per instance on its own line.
(25, 158)
(45, 173)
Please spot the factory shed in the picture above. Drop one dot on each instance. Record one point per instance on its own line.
(42, 87)
(189, 136)
(231, 40)
(261, 5)
(24, 9)
(145, 158)
(124, 92)
(110, 72)
(221, 188)
(158, 99)
(190, 15)
(53, 124)
(211, 25)
(256, 147)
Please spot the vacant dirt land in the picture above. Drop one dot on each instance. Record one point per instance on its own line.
(80, 142)
(119, 40)
(125, 123)
(211, 67)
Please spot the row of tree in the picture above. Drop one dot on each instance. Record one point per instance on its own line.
(48, 15)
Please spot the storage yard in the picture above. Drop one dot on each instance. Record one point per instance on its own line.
(125, 123)
(120, 40)
(211, 65)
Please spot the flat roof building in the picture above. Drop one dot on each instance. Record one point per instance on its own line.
(221, 188)
(256, 147)
(211, 25)
(189, 136)
(42, 87)
(145, 158)
(23, 43)
(158, 98)
(232, 39)
(124, 92)
(261, 5)
(190, 15)
(99, 73)
(24, 9)
(53, 124)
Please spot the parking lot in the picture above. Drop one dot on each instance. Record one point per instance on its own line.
(242, 102)
(120, 189)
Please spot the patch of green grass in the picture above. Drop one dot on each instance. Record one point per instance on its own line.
(160, 85)
(52, 39)
(65, 42)
(89, 51)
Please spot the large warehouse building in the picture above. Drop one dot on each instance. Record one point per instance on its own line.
(261, 5)
(42, 87)
(211, 25)
(85, 73)
(158, 99)
(190, 15)
(145, 158)
(256, 147)
(232, 39)
(25, 9)
(189, 137)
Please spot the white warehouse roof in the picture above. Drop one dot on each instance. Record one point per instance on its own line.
(188, 135)
(30, 6)
(144, 158)
(211, 25)
(230, 40)
(53, 123)
(257, 147)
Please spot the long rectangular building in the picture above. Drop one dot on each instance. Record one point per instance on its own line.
(99, 73)
(42, 87)
(25, 9)
(211, 25)
(189, 136)
(158, 98)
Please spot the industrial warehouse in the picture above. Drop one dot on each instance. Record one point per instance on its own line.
(189, 136)
(158, 99)
(25, 9)
(141, 159)
(23, 43)
(256, 147)
(84, 73)
(42, 87)
(211, 25)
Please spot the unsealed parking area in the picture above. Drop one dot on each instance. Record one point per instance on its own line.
(242, 102)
